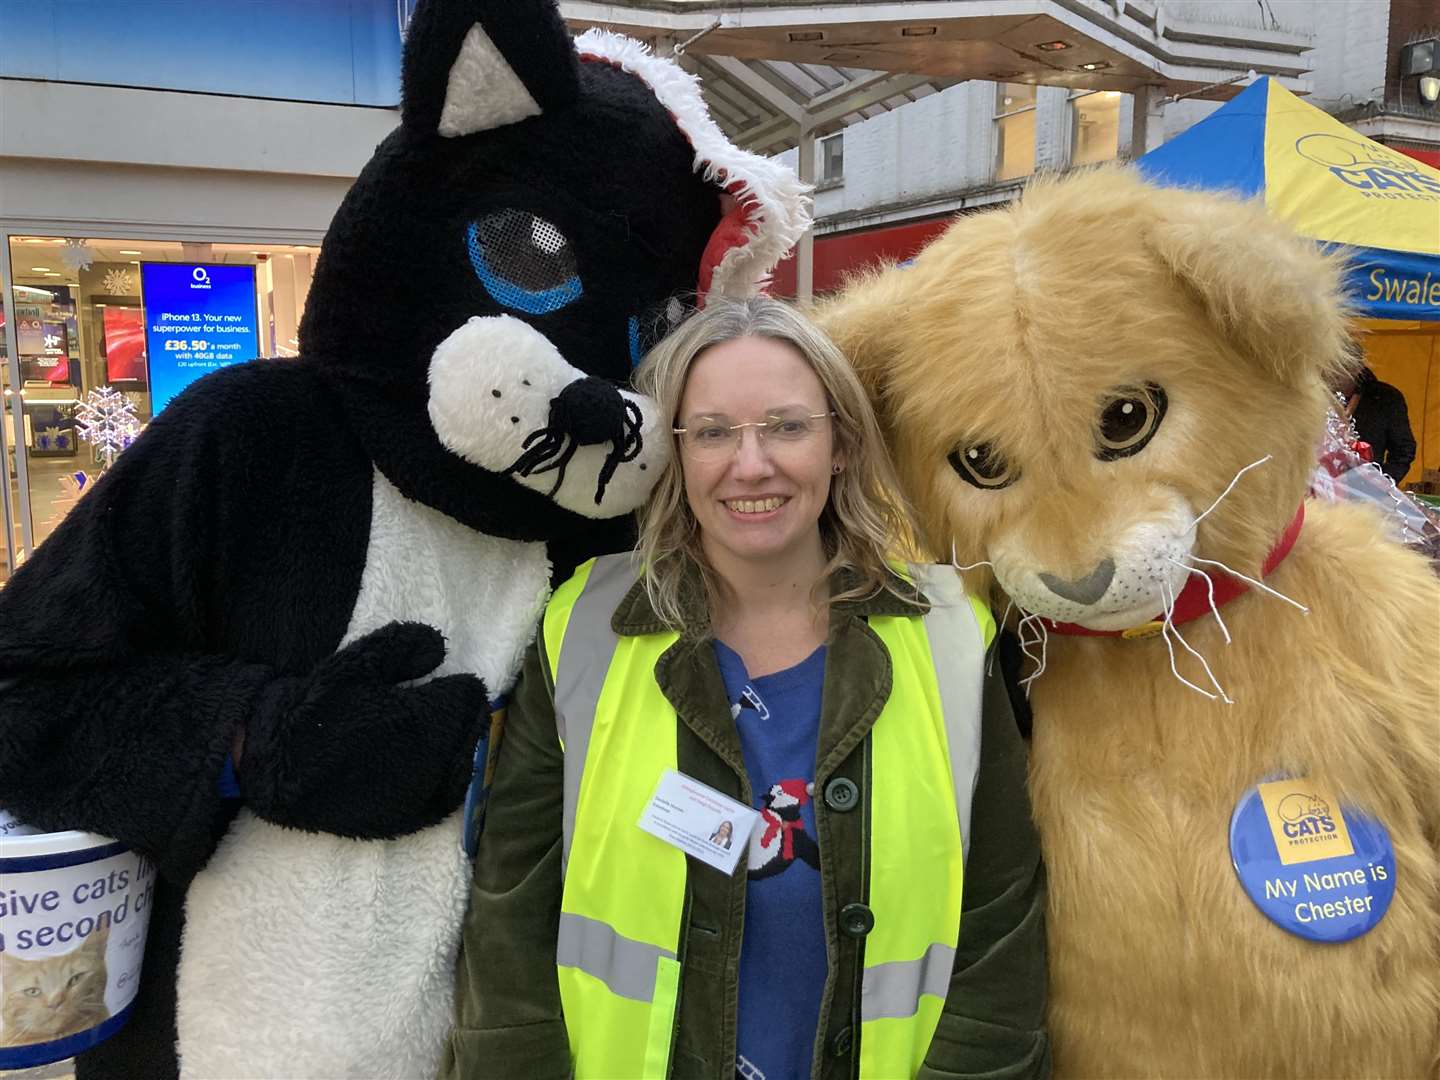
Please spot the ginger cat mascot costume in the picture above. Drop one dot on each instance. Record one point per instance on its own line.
(1110, 395)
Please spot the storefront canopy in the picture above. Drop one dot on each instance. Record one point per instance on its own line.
(1331, 184)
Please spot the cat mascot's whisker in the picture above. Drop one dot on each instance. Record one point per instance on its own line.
(999, 626)
(1169, 629)
(1210, 593)
(1041, 639)
(1229, 488)
(955, 563)
(1252, 582)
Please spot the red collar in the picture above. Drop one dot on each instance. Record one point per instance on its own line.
(1194, 598)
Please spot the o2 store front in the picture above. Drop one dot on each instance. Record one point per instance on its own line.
(162, 204)
(100, 349)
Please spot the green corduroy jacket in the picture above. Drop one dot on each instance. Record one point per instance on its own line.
(509, 1022)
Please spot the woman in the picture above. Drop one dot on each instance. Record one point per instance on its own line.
(769, 655)
(724, 833)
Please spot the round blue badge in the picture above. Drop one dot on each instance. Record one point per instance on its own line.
(1314, 868)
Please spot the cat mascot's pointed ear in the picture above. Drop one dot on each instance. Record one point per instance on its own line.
(477, 65)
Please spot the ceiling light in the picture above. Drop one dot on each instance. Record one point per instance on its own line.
(124, 251)
(919, 31)
(37, 240)
(806, 35)
(1094, 65)
(1052, 46)
(53, 273)
(134, 262)
(39, 269)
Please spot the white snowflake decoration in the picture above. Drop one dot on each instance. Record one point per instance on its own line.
(77, 255)
(118, 283)
(106, 419)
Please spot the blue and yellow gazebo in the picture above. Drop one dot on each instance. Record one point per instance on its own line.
(1340, 189)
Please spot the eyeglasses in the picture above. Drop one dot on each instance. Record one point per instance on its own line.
(717, 436)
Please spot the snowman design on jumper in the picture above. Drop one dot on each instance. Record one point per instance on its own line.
(782, 838)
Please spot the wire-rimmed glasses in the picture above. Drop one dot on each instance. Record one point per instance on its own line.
(717, 435)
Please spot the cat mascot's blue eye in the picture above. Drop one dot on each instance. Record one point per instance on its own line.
(646, 330)
(524, 261)
(637, 349)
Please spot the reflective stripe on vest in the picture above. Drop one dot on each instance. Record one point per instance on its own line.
(624, 890)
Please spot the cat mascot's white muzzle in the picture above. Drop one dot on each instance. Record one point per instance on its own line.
(502, 397)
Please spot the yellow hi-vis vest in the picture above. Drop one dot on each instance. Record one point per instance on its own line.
(623, 902)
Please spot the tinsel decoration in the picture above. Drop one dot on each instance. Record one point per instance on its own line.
(1345, 472)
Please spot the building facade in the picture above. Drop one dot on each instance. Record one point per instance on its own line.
(145, 140)
(888, 183)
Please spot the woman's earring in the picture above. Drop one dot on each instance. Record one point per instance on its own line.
(837, 468)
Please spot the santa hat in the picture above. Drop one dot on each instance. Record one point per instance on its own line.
(798, 790)
(767, 207)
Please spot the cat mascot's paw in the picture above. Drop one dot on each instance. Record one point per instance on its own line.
(368, 744)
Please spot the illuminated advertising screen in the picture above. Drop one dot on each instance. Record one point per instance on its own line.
(198, 318)
(124, 344)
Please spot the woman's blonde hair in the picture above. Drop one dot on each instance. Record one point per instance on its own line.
(864, 520)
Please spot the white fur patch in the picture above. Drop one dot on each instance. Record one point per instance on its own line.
(502, 354)
(781, 213)
(483, 91)
(314, 956)
(483, 592)
(1144, 573)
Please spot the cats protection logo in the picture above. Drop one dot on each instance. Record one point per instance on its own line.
(1305, 820)
(1368, 167)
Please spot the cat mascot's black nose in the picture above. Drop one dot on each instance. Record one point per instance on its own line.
(590, 411)
(586, 413)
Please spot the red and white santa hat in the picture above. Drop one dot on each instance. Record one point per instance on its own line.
(769, 208)
(798, 790)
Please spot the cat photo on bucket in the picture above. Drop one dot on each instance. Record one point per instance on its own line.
(53, 996)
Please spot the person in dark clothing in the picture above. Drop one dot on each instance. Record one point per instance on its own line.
(1381, 420)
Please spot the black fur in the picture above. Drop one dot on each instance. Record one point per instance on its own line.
(203, 585)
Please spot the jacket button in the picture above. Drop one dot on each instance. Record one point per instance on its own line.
(841, 1042)
(857, 920)
(842, 794)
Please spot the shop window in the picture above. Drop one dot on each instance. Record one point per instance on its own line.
(1014, 130)
(138, 320)
(832, 159)
(1095, 127)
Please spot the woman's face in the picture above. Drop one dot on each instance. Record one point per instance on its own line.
(763, 500)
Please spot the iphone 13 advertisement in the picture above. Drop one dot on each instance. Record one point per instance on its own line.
(198, 318)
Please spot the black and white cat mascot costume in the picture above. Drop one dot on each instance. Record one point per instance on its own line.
(339, 561)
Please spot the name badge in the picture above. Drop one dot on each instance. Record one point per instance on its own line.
(699, 821)
(1317, 869)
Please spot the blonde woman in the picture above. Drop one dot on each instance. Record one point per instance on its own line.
(758, 651)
